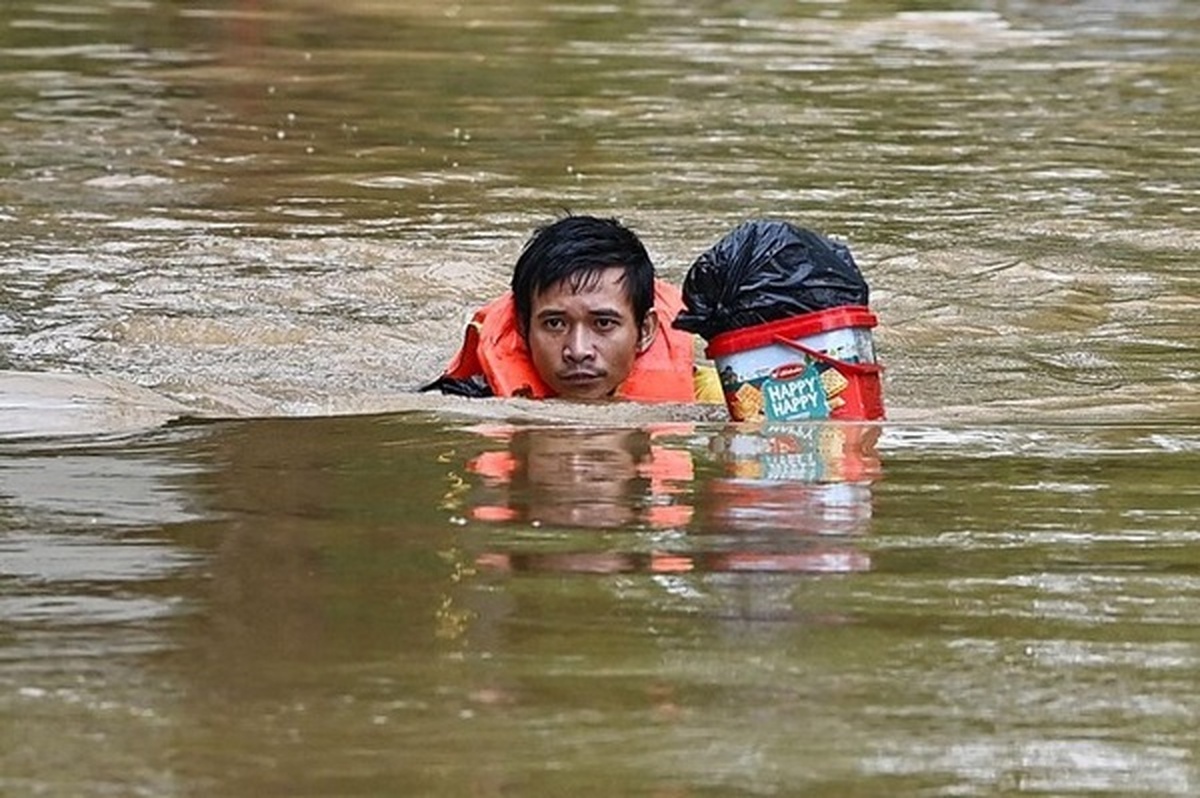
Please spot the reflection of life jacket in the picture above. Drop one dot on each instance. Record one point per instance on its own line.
(494, 347)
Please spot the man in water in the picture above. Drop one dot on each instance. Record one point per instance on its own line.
(585, 319)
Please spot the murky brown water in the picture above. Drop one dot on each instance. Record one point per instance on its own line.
(270, 219)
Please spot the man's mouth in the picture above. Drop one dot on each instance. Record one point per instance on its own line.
(581, 376)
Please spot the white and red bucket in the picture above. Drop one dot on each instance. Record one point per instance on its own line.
(815, 366)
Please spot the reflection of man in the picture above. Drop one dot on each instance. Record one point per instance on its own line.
(585, 319)
(599, 478)
(590, 479)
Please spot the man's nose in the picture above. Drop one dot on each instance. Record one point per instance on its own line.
(578, 345)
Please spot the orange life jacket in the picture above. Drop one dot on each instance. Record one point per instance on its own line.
(494, 347)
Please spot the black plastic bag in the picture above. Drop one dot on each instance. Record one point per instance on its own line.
(765, 270)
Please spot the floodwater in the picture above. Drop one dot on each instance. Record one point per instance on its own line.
(239, 555)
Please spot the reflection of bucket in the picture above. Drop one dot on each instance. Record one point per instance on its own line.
(807, 478)
(801, 452)
(818, 365)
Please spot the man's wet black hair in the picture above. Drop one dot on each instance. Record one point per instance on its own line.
(577, 249)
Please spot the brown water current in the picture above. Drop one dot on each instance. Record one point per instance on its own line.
(241, 556)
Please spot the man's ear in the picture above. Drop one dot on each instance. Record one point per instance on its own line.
(648, 331)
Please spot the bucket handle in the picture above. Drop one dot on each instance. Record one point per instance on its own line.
(840, 365)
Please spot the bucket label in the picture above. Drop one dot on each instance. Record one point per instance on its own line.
(794, 393)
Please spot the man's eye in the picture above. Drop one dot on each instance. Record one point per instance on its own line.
(606, 324)
(553, 325)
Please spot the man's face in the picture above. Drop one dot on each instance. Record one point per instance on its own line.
(584, 341)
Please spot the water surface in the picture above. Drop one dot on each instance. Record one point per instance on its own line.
(239, 556)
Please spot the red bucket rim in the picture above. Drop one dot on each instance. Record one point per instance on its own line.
(760, 335)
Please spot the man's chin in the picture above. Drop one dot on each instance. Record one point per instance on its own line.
(584, 388)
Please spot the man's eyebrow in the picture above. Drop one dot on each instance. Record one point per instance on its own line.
(607, 313)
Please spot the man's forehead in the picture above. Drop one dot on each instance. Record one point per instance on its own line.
(607, 285)
(591, 279)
